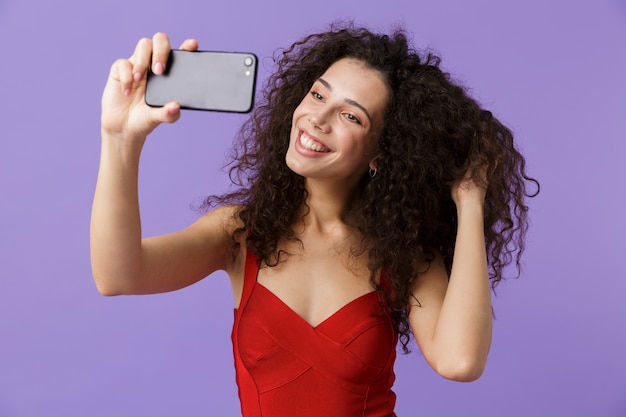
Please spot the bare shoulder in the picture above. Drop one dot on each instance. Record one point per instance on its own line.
(215, 230)
(222, 223)
(223, 219)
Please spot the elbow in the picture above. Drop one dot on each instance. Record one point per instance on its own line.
(462, 370)
(112, 281)
(107, 291)
(105, 288)
(109, 287)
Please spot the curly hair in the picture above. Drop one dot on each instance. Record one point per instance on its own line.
(433, 134)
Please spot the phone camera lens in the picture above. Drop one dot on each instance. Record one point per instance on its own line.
(248, 61)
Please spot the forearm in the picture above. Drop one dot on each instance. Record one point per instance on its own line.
(464, 326)
(115, 231)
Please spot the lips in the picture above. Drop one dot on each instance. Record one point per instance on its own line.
(310, 143)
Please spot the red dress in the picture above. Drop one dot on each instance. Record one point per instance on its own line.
(342, 367)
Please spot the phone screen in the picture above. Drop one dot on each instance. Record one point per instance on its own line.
(205, 80)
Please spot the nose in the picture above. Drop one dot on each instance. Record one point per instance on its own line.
(320, 121)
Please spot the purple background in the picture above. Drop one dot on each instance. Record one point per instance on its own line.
(552, 70)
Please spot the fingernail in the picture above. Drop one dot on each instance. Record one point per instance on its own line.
(127, 92)
(137, 76)
(158, 68)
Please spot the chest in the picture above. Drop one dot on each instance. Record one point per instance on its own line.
(317, 281)
(279, 356)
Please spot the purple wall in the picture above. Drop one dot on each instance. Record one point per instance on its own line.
(552, 70)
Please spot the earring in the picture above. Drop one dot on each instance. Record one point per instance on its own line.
(373, 172)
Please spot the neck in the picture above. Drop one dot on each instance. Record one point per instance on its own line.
(327, 206)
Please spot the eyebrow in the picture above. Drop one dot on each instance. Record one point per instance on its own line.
(348, 100)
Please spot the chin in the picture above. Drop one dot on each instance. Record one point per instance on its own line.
(290, 162)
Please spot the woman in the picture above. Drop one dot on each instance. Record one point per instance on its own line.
(376, 200)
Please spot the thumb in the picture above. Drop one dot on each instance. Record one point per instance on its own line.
(169, 113)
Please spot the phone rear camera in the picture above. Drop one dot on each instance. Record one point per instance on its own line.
(248, 61)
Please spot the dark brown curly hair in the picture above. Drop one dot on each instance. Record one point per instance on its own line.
(433, 134)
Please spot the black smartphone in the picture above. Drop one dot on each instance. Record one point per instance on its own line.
(205, 80)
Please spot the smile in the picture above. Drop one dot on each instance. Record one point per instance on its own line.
(310, 144)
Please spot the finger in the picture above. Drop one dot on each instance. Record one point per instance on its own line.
(160, 52)
(189, 45)
(141, 58)
(122, 71)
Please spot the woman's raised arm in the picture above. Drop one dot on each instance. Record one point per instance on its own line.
(123, 262)
(453, 324)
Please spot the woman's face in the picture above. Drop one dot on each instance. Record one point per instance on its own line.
(336, 126)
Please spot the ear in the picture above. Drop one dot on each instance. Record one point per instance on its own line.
(373, 164)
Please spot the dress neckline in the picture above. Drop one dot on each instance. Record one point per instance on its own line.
(341, 310)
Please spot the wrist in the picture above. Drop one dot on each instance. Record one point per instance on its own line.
(121, 147)
(470, 207)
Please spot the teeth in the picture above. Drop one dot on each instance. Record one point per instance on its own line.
(309, 144)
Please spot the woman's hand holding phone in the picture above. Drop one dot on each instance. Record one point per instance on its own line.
(124, 111)
(117, 252)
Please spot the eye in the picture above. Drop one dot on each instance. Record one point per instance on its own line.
(316, 95)
(352, 118)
